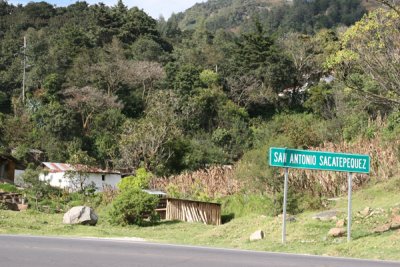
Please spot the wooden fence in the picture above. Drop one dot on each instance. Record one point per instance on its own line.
(190, 211)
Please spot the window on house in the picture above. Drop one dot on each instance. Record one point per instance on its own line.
(103, 177)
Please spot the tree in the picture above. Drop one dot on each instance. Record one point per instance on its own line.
(145, 141)
(146, 49)
(369, 64)
(113, 68)
(146, 74)
(87, 102)
(137, 23)
(257, 55)
(106, 130)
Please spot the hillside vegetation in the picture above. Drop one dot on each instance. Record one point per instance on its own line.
(305, 16)
(113, 87)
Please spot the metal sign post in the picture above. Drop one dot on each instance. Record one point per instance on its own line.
(285, 188)
(350, 178)
(318, 160)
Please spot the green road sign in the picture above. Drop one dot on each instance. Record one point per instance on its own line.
(317, 160)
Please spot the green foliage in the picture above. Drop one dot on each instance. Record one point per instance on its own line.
(145, 48)
(209, 78)
(356, 124)
(131, 206)
(37, 190)
(173, 191)
(285, 130)
(321, 100)
(8, 188)
(140, 181)
(52, 83)
(303, 16)
(292, 203)
(241, 204)
(258, 55)
(303, 130)
(392, 129)
(113, 87)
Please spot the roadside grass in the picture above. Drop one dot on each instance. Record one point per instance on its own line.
(305, 235)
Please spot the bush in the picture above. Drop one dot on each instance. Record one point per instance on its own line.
(292, 206)
(132, 206)
(140, 181)
(8, 188)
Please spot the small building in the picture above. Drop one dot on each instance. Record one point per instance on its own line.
(189, 211)
(7, 168)
(73, 177)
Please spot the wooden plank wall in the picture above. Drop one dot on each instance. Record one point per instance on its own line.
(193, 211)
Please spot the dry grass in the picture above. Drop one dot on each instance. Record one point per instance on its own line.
(384, 165)
(215, 182)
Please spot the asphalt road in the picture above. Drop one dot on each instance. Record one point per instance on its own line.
(30, 251)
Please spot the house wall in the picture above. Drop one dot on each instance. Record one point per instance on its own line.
(56, 179)
(110, 179)
(61, 180)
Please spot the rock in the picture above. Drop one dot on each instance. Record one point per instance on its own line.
(80, 215)
(395, 222)
(328, 215)
(365, 212)
(257, 235)
(341, 223)
(336, 232)
(22, 207)
(382, 228)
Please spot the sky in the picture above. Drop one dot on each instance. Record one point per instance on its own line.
(154, 8)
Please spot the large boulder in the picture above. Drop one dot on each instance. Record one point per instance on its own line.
(80, 215)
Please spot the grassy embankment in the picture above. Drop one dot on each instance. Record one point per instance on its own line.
(305, 235)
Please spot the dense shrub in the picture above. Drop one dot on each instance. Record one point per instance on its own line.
(132, 206)
(140, 181)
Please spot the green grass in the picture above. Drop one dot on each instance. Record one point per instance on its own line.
(305, 235)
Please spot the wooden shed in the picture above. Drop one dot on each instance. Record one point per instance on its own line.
(7, 167)
(189, 211)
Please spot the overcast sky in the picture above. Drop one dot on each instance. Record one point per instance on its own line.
(154, 8)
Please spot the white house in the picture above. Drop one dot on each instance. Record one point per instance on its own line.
(69, 176)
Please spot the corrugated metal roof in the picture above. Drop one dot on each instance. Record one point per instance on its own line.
(154, 192)
(64, 167)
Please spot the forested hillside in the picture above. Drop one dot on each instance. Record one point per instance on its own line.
(111, 86)
(283, 15)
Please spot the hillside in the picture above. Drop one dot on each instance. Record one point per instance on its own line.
(299, 15)
(226, 14)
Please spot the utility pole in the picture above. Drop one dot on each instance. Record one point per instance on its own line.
(24, 74)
